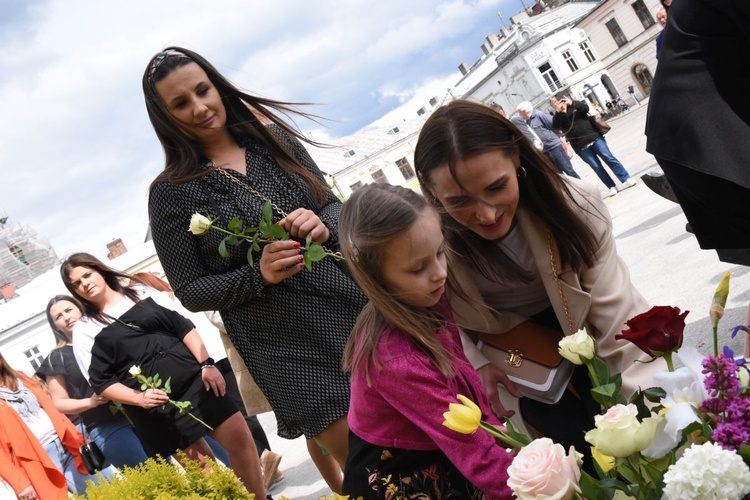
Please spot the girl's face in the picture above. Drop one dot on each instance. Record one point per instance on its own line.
(88, 284)
(193, 102)
(487, 205)
(414, 268)
(65, 314)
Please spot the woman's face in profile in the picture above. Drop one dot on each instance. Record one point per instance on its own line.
(65, 314)
(488, 202)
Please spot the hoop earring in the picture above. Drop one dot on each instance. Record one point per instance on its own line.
(521, 172)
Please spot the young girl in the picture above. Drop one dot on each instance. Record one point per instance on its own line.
(406, 360)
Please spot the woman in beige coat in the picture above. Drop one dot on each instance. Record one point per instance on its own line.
(509, 217)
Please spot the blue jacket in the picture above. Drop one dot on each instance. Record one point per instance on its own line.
(541, 123)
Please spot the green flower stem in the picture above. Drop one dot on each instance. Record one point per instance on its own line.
(245, 237)
(193, 416)
(493, 431)
(592, 374)
(121, 409)
(668, 358)
(716, 338)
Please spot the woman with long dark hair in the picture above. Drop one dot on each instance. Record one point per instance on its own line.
(73, 395)
(131, 329)
(528, 245)
(289, 325)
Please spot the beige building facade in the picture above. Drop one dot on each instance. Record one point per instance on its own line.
(624, 34)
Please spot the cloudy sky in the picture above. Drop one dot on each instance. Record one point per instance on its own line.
(77, 152)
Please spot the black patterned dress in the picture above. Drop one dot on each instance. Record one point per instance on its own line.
(292, 334)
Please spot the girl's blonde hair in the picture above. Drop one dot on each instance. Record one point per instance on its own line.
(374, 216)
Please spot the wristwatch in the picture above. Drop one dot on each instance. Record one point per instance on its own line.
(207, 363)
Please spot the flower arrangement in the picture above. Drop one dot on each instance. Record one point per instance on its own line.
(686, 438)
(155, 382)
(266, 232)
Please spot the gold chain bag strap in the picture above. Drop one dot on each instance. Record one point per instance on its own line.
(528, 353)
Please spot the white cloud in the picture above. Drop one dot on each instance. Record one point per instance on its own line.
(77, 152)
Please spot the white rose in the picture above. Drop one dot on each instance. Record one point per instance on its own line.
(135, 370)
(199, 224)
(578, 348)
(619, 434)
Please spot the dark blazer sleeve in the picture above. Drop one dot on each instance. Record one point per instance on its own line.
(197, 288)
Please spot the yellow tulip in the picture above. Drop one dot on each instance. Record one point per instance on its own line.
(720, 300)
(606, 463)
(463, 418)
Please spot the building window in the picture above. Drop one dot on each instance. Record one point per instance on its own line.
(616, 32)
(356, 186)
(406, 170)
(643, 14)
(550, 77)
(34, 357)
(587, 51)
(379, 176)
(572, 64)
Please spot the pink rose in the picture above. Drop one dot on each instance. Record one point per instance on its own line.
(542, 468)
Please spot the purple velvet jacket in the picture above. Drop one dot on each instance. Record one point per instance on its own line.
(404, 406)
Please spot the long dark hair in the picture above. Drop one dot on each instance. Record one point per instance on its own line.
(113, 279)
(60, 336)
(184, 155)
(462, 130)
(370, 219)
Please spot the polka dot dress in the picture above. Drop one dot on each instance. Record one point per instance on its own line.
(292, 334)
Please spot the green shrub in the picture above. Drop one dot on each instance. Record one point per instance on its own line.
(158, 479)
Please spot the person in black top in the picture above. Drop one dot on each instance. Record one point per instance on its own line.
(73, 395)
(130, 329)
(572, 117)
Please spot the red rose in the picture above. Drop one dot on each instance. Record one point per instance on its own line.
(656, 331)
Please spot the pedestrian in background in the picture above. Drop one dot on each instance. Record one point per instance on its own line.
(661, 17)
(541, 125)
(631, 91)
(572, 117)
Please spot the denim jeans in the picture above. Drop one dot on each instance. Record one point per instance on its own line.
(599, 149)
(66, 464)
(119, 443)
(559, 158)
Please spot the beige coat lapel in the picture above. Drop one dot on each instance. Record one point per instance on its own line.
(579, 301)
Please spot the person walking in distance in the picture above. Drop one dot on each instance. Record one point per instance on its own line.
(631, 91)
(573, 118)
(541, 125)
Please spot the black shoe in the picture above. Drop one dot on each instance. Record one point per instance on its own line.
(689, 229)
(659, 185)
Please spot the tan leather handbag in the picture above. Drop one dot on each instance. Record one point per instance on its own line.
(529, 354)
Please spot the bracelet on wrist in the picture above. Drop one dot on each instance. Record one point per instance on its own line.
(207, 363)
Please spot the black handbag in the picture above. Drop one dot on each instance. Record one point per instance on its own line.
(92, 456)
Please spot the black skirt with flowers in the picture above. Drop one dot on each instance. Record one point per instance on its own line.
(374, 472)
